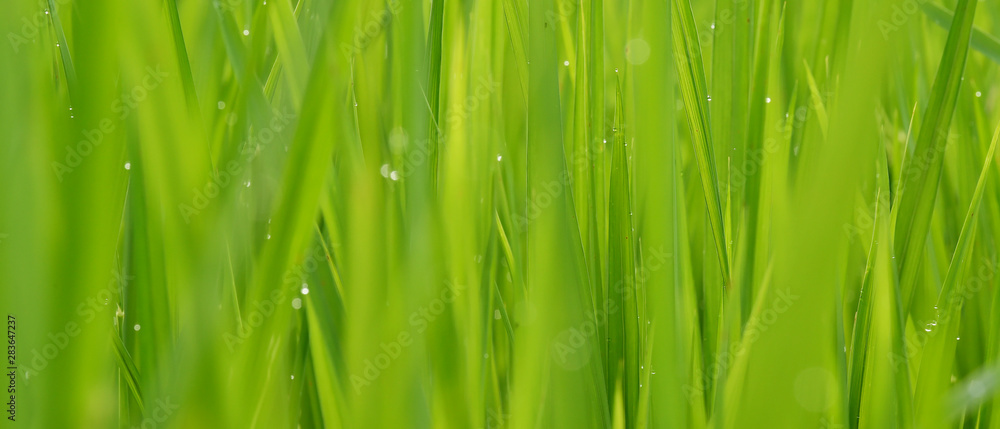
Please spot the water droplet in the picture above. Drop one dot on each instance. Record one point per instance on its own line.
(709, 98)
(222, 105)
(268, 236)
(46, 11)
(246, 32)
(394, 175)
(616, 69)
(136, 327)
(499, 157)
(248, 183)
(305, 289)
(566, 63)
(713, 26)
(979, 94)
(768, 99)
(384, 170)
(57, 44)
(293, 376)
(128, 165)
(297, 303)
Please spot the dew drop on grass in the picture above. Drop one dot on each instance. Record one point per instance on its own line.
(566, 63)
(248, 183)
(499, 157)
(222, 105)
(246, 32)
(128, 165)
(768, 99)
(979, 94)
(384, 170)
(293, 377)
(394, 175)
(297, 303)
(136, 327)
(305, 289)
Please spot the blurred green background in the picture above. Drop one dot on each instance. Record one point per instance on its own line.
(500, 213)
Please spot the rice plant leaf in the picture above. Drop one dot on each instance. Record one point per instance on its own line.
(67, 59)
(512, 14)
(129, 371)
(921, 170)
(982, 41)
(938, 357)
(291, 48)
(691, 77)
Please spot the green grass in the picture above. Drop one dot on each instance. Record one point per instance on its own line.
(501, 214)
